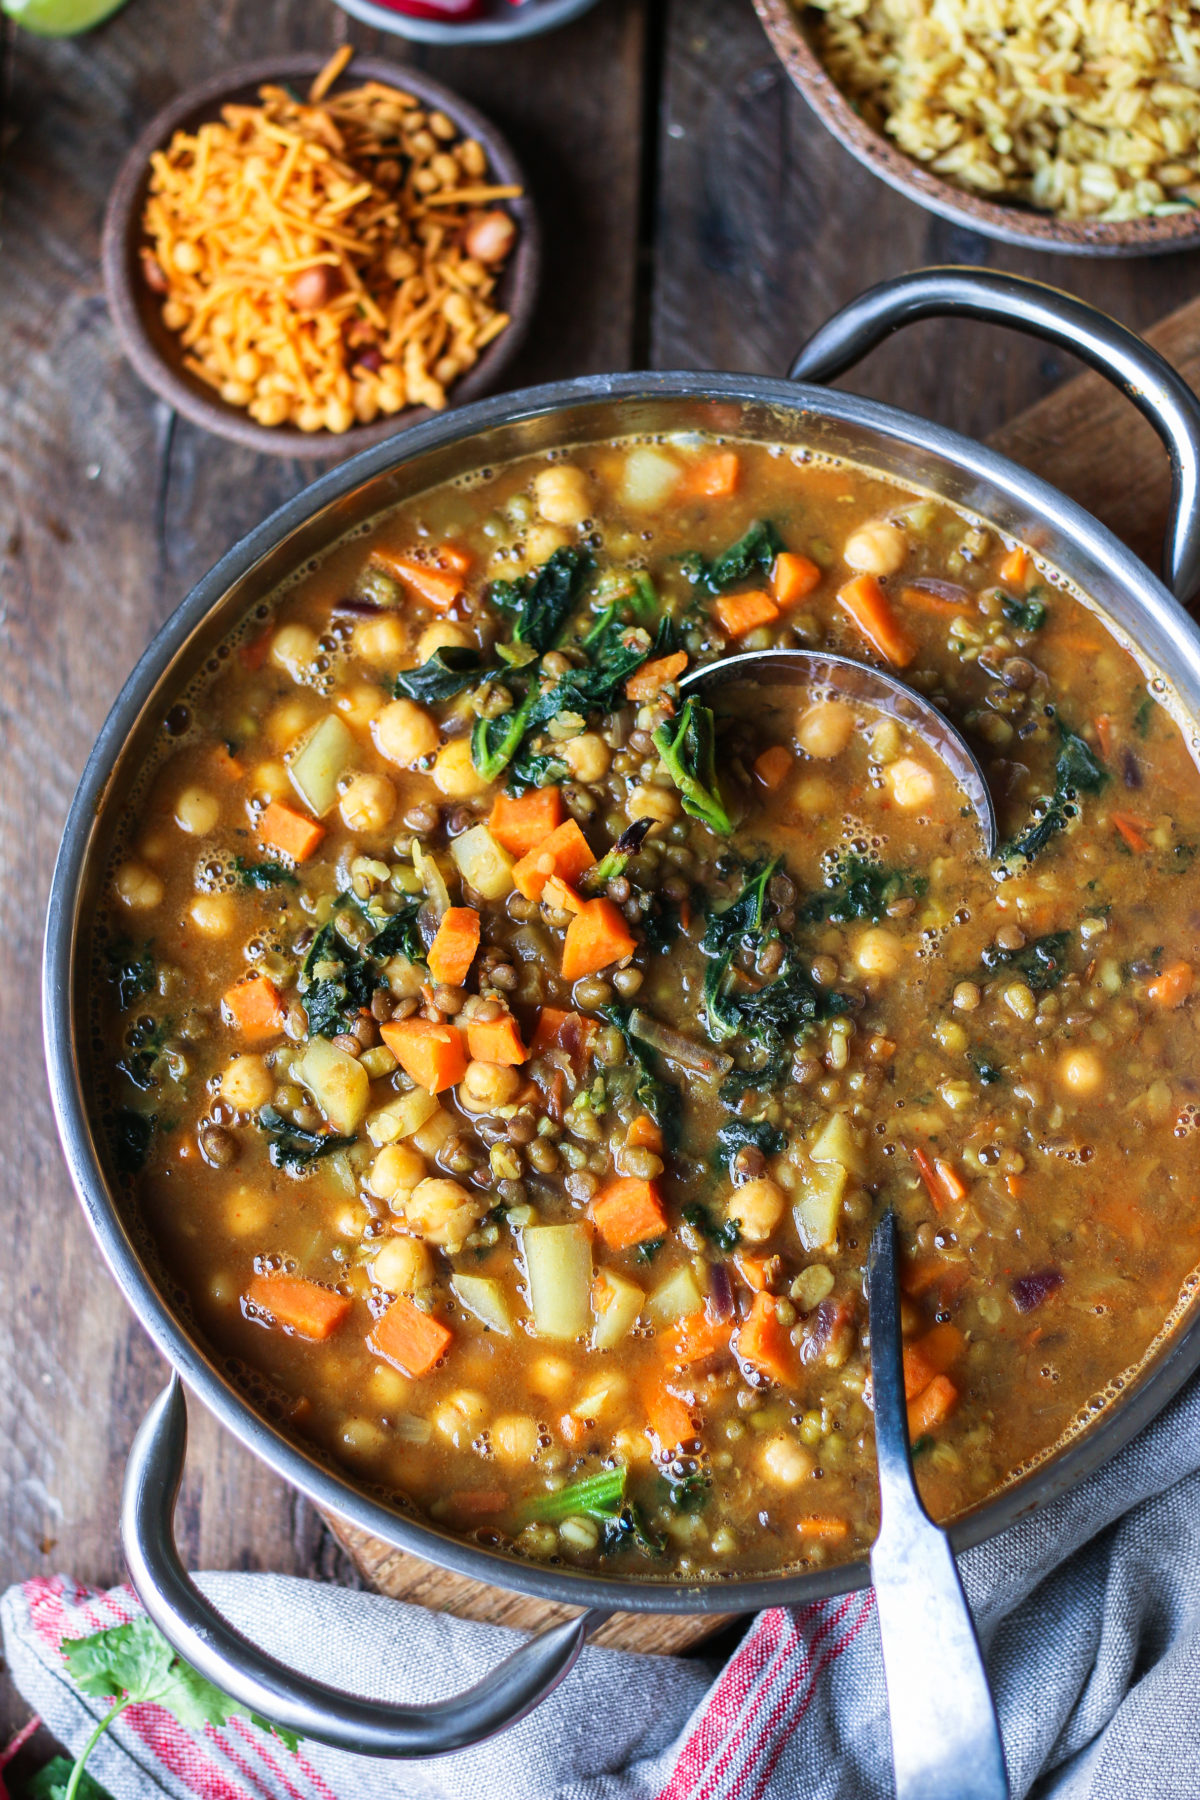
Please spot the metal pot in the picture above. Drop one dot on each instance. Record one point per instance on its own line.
(1145, 611)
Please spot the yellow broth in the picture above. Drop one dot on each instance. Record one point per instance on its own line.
(479, 1312)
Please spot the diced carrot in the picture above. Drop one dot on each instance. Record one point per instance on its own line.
(453, 556)
(697, 1338)
(1172, 987)
(773, 766)
(753, 1270)
(560, 895)
(952, 1183)
(793, 578)
(523, 822)
(823, 1526)
(644, 1133)
(932, 1406)
(569, 1031)
(668, 1419)
(306, 1308)
(1015, 567)
(572, 1430)
(226, 763)
(1132, 831)
(412, 1339)
(254, 654)
(1015, 1184)
(919, 599)
(453, 949)
(496, 1041)
(1105, 735)
(565, 852)
(597, 937)
(255, 1007)
(629, 1211)
(477, 1503)
(764, 1343)
(737, 614)
(285, 829)
(929, 1176)
(652, 677)
(934, 1354)
(715, 477)
(434, 1055)
(438, 588)
(871, 610)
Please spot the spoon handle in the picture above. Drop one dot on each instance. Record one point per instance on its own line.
(945, 1736)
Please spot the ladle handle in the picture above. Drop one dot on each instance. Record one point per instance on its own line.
(1157, 390)
(194, 1628)
(945, 1735)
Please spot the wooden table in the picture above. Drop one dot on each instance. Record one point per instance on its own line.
(696, 216)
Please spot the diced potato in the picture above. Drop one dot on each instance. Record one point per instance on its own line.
(558, 1264)
(838, 1142)
(485, 1298)
(616, 1304)
(338, 1083)
(401, 1116)
(818, 1204)
(434, 1134)
(677, 1297)
(481, 862)
(320, 764)
(601, 1397)
(650, 478)
(405, 979)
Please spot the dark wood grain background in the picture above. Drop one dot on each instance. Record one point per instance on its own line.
(696, 216)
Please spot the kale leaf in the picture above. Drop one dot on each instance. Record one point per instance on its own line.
(129, 1139)
(291, 1146)
(340, 983)
(1026, 615)
(737, 1134)
(688, 748)
(753, 554)
(494, 742)
(536, 769)
(988, 1072)
(657, 1096)
(1042, 963)
(263, 875)
(616, 860)
(1077, 771)
(859, 889)
(447, 672)
(544, 599)
(132, 972)
(725, 1234)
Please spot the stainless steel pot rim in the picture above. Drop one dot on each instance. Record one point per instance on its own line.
(319, 1483)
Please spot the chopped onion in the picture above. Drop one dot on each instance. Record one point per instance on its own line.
(698, 1059)
(437, 894)
(720, 1292)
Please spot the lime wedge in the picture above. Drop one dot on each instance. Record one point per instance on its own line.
(59, 18)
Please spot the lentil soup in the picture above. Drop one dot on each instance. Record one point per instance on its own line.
(509, 1056)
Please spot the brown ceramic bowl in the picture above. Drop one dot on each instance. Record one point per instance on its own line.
(1009, 221)
(157, 354)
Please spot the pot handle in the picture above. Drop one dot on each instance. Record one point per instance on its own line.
(1156, 389)
(257, 1681)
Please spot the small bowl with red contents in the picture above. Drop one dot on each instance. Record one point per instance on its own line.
(465, 21)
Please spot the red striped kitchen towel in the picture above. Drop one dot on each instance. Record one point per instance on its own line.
(1089, 1613)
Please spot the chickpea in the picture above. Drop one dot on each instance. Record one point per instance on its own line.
(757, 1207)
(815, 796)
(271, 781)
(587, 756)
(294, 648)
(358, 703)
(289, 720)
(541, 541)
(1082, 1071)
(912, 784)
(659, 804)
(213, 914)
(139, 887)
(550, 1377)
(247, 1083)
(368, 803)
(825, 729)
(361, 1440)
(404, 733)
(879, 952)
(443, 634)
(381, 640)
(514, 1437)
(876, 549)
(455, 775)
(246, 1212)
(561, 494)
(197, 811)
(460, 1417)
(402, 1266)
(785, 1462)
(485, 1086)
(396, 1171)
(443, 1211)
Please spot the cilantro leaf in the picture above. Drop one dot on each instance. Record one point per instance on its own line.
(52, 1780)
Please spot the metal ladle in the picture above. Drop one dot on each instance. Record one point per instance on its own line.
(945, 1736)
(852, 680)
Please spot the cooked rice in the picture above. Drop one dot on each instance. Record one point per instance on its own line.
(1085, 108)
(315, 257)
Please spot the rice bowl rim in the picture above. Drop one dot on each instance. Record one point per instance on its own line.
(1006, 221)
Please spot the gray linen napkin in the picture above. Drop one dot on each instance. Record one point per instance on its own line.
(1089, 1613)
